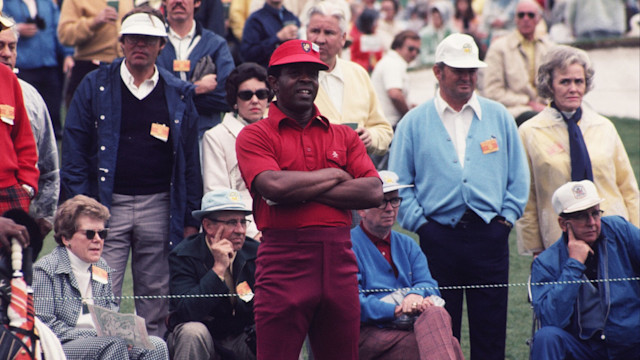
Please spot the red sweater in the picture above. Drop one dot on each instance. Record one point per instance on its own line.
(18, 154)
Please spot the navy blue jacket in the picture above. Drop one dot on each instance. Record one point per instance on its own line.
(209, 105)
(619, 257)
(259, 38)
(92, 135)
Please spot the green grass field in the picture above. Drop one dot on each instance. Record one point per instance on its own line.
(519, 312)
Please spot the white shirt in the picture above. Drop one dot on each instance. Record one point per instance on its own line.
(184, 45)
(147, 86)
(333, 84)
(390, 73)
(82, 273)
(458, 123)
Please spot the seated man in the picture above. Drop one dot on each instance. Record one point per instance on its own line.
(219, 260)
(582, 319)
(409, 323)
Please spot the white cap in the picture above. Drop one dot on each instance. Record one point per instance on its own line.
(5, 22)
(459, 51)
(221, 199)
(575, 196)
(390, 181)
(143, 24)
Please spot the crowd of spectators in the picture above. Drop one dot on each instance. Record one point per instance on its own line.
(211, 139)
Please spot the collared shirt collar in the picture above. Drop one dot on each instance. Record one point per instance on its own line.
(145, 88)
(375, 239)
(473, 103)
(77, 264)
(190, 35)
(395, 54)
(336, 72)
(278, 117)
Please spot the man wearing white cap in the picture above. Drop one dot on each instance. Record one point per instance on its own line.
(131, 142)
(410, 323)
(471, 177)
(584, 313)
(219, 260)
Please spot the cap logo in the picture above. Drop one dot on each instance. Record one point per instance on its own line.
(234, 195)
(579, 192)
(306, 47)
(466, 48)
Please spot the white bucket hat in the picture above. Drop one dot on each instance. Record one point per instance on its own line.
(575, 196)
(143, 24)
(221, 200)
(459, 51)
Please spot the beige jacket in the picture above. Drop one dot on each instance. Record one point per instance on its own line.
(73, 29)
(360, 105)
(506, 77)
(546, 141)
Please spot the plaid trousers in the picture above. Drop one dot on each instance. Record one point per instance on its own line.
(431, 338)
(14, 197)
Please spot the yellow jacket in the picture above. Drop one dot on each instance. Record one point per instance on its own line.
(73, 29)
(546, 141)
(360, 105)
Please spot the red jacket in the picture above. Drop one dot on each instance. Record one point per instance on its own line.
(18, 154)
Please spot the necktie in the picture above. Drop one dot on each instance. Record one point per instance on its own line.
(580, 161)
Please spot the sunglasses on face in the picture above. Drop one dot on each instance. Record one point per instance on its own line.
(531, 15)
(584, 216)
(413, 48)
(135, 39)
(91, 234)
(395, 202)
(246, 95)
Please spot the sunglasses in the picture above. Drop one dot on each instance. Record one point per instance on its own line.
(135, 39)
(91, 234)
(395, 202)
(413, 48)
(584, 216)
(531, 15)
(246, 95)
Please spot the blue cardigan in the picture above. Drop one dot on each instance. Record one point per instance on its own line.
(422, 153)
(374, 272)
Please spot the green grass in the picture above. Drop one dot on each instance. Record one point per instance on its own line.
(519, 311)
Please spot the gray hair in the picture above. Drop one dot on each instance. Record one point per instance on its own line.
(329, 8)
(559, 58)
(13, 28)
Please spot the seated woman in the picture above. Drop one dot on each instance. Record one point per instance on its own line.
(73, 275)
(249, 95)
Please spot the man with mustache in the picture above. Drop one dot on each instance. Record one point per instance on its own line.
(131, 142)
(305, 174)
(197, 55)
(471, 177)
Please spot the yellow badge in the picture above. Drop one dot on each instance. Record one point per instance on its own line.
(160, 131)
(7, 113)
(181, 65)
(489, 146)
(99, 274)
(244, 291)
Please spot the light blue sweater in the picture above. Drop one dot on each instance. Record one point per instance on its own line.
(422, 153)
(374, 272)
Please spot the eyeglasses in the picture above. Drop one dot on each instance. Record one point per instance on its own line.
(246, 95)
(395, 202)
(91, 234)
(232, 223)
(531, 15)
(136, 39)
(413, 48)
(584, 216)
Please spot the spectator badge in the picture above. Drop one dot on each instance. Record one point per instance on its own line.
(181, 65)
(244, 291)
(99, 274)
(160, 131)
(489, 146)
(7, 113)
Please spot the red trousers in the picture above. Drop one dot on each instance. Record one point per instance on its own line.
(306, 283)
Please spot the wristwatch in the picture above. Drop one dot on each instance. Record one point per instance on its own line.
(29, 190)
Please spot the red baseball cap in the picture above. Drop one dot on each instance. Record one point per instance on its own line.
(297, 51)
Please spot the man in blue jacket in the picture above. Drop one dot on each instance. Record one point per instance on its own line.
(131, 143)
(199, 56)
(587, 305)
(411, 321)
